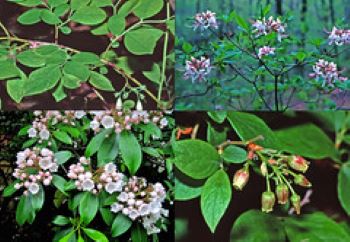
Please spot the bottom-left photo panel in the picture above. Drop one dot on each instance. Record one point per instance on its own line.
(69, 176)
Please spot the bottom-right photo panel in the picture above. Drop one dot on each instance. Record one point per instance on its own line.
(262, 176)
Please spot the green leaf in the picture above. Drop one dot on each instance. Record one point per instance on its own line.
(76, 4)
(128, 7)
(215, 198)
(96, 142)
(89, 15)
(38, 199)
(116, 24)
(343, 187)
(56, 3)
(59, 94)
(49, 17)
(76, 69)
(42, 80)
(255, 225)
(183, 192)
(214, 137)
(95, 235)
(86, 58)
(241, 22)
(314, 227)
(107, 215)
(32, 16)
(307, 140)
(15, 89)
(131, 157)
(24, 211)
(61, 220)
(120, 225)
(100, 82)
(138, 234)
(142, 41)
(148, 8)
(68, 237)
(153, 75)
(102, 3)
(9, 190)
(249, 126)
(218, 116)
(8, 69)
(31, 58)
(63, 137)
(234, 154)
(196, 158)
(59, 182)
(108, 151)
(88, 207)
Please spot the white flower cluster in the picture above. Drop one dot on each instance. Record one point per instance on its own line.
(327, 72)
(44, 119)
(339, 36)
(106, 178)
(121, 120)
(205, 20)
(265, 27)
(197, 69)
(141, 201)
(266, 50)
(41, 163)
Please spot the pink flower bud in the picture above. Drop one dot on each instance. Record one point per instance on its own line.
(295, 199)
(267, 201)
(282, 193)
(240, 179)
(298, 163)
(302, 181)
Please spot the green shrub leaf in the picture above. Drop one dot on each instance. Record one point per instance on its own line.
(120, 225)
(131, 157)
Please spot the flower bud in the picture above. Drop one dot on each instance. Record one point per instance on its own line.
(263, 169)
(302, 181)
(295, 199)
(298, 163)
(119, 104)
(254, 147)
(240, 179)
(282, 193)
(139, 106)
(267, 201)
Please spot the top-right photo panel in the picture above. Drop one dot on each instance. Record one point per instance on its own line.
(272, 55)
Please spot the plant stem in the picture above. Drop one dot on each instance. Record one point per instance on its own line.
(56, 34)
(165, 48)
(276, 94)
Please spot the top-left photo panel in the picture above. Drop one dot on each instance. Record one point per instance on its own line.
(86, 54)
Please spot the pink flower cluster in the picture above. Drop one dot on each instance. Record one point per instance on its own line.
(265, 27)
(327, 72)
(123, 120)
(266, 50)
(339, 36)
(106, 178)
(141, 201)
(44, 119)
(197, 69)
(41, 163)
(205, 20)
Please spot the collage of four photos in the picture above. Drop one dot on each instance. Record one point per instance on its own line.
(174, 120)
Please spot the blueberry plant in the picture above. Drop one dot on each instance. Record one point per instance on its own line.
(260, 64)
(244, 147)
(108, 171)
(31, 67)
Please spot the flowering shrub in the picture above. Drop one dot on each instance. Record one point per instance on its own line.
(26, 64)
(99, 165)
(241, 147)
(268, 66)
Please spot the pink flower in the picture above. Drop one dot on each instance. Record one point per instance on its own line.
(327, 72)
(197, 69)
(205, 20)
(339, 36)
(265, 27)
(266, 50)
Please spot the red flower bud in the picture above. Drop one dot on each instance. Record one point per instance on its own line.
(282, 193)
(298, 163)
(268, 200)
(295, 199)
(254, 147)
(240, 179)
(302, 181)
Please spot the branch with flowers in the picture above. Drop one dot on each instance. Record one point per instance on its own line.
(122, 23)
(241, 147)
(276, 70)
(103, 167)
